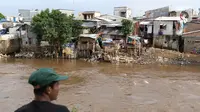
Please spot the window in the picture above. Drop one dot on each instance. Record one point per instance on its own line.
(174, 25)
(29, 41)
(163, 26)
(123, 14)
(145, 28)
(23, 28)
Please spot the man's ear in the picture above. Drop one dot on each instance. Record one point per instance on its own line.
(48, 90)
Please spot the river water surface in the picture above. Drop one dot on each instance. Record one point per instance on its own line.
(106, 87)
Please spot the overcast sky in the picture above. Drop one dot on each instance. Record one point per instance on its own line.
(138, 7)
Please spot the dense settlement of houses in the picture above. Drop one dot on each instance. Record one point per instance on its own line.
(163, 28)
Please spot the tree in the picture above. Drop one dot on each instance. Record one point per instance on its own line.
(55, 27)
(127, 27)
(1, 16)
(77, 28)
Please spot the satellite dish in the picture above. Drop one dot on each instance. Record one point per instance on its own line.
(21, 19)
(185, 14)
(19, 14)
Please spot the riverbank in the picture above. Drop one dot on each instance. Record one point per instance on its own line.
(148, 56)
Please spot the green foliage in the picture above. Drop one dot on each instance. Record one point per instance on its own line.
(39, 23)
(55, 27)
(127, 27)
(74, 109)
(93, 30)
(77, 29)
(1, 16)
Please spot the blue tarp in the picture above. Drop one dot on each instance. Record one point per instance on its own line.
(70, 45)
(3, 20)
(133, 39)
(3, 31)
(107, 41)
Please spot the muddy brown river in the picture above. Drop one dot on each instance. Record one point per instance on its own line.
(105, 87)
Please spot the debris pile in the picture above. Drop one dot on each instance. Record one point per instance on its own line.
(25, 55)
(4, 56)
(152, 56)
(33, 52)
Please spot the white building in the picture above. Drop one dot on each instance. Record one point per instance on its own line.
(159, 12)
(27, 14)
(168, 25)
(123, 12)
(171, 11)
(13, 19)
(167, 32)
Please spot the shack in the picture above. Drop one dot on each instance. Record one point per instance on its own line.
(146, 32)
(134, 45)
(110, 47)
(167, 32)
(86, 45)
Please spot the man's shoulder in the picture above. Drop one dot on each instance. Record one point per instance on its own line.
(45, 105)
(62, 108)
(23, 108)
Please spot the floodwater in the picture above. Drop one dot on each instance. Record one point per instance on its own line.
(105, 87)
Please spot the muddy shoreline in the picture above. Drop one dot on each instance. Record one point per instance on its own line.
(148, 56)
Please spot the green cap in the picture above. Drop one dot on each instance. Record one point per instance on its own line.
(45, 76)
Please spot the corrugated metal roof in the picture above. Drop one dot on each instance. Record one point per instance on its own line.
(116, 32)
(86, 12)
(93, 36)
(88, 24)
(145, 23)
(112, 32)
(105, 19)
(168, 19)
(113, 17)
(65, 9)
(112, 25)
